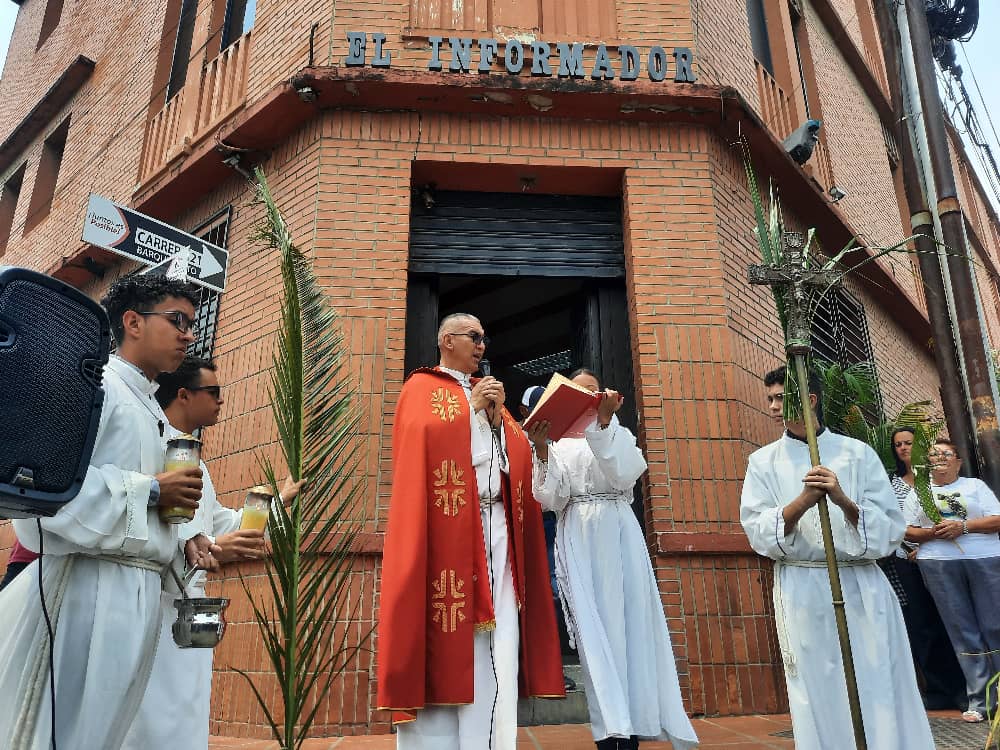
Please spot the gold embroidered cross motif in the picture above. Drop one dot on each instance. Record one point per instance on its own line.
(448, 601)
(449, 492)
(520, 503)
(445, 404)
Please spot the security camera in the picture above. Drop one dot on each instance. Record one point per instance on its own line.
(836, 194)
(802, 141)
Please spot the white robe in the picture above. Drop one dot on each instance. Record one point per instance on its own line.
(612, 602)
(893, 713)
(106, 615)
(177, 702)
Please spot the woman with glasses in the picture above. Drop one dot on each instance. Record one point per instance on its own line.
(606, 583)
(959, 558)
(943, 682)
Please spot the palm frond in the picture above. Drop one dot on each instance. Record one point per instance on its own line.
(312, 541)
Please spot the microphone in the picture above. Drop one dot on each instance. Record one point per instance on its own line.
(484, 367)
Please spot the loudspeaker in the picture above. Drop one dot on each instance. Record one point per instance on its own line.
(54, 344)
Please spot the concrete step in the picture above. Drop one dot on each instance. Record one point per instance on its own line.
(537, 711)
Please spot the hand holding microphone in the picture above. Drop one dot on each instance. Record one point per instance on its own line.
(488, 394)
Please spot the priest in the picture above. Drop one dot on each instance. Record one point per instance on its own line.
(466, 621)
(778, 512)
(103, 552)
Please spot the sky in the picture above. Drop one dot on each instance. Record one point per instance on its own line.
(983, 62)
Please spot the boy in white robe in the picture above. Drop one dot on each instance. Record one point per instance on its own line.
(103, 552)
(178, 696)
(778, 512)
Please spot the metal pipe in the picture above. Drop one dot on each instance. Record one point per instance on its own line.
(970, 331)
(945, 352)
(798, 360)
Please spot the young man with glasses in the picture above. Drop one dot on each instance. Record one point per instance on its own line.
(466, 607)
(959, 559)
(779, 514)
(178, 696)
(104, 551)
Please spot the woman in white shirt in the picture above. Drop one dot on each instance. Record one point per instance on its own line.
(613, 609)
(959, 558)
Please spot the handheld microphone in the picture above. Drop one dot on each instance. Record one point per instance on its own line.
(484, 367)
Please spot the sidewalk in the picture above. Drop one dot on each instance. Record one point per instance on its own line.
(734, 732)
(731, 732)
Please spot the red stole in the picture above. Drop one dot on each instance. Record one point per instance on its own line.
(435, 586)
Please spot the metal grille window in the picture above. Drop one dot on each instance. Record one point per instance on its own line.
(840, 335)
(216, 231)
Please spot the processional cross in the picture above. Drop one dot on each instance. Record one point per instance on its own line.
(798, 286)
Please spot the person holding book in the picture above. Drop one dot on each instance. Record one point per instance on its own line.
(606, 582)
(959, 558)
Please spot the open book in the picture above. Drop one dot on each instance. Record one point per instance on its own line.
(568, 407)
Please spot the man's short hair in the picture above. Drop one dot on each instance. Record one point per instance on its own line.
(778, 375)
(447, 321)
(142, 293)
(188, 375)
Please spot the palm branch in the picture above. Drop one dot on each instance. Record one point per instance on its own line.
(312, 541)
(993, 739)
(846, 390)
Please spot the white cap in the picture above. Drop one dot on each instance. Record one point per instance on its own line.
(531, 396)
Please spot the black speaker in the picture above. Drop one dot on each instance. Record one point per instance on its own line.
(54, 344)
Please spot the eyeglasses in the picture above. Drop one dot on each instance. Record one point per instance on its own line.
(214, 390)
(941, 454)
(179, 320)
(477, 338)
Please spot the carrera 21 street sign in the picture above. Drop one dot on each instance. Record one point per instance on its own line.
(126, 232)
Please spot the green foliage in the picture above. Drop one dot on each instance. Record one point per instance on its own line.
(308, 571)
(845, 391)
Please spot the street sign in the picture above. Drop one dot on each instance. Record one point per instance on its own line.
(133, 235)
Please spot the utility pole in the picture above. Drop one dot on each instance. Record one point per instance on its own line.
(946, 358)
(949, 209)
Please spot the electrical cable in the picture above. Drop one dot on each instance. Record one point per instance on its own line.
(51, 633)
(489, 545)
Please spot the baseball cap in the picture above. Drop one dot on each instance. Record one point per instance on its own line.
(531, 396)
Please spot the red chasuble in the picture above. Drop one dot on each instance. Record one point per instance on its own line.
(435, 590)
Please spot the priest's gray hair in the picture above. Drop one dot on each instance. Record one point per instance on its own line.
(449, 323)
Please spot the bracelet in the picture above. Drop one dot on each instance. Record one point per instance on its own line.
(965, 527)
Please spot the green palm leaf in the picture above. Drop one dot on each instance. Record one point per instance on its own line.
(312, 541)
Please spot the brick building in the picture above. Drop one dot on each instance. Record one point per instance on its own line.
(586, 217)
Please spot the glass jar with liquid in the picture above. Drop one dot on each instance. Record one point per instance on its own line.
(256, 508)
(183, 452)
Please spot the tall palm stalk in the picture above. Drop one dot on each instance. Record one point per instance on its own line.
(312, 541)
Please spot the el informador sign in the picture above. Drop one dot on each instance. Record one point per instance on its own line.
(562, 59)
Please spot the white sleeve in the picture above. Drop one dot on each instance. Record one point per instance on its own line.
(550, 482)
(617, 454)
(880, 525)
(761, 515)
(111, 512)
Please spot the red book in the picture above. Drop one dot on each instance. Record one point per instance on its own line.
(569, 408)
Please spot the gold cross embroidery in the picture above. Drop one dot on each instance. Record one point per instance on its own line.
(445, 404)
(520, 503)
(448, 601)
(449, 494)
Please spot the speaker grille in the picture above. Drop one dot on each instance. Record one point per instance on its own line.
(48, 384)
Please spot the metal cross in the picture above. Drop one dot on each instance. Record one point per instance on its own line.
(798, 285)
